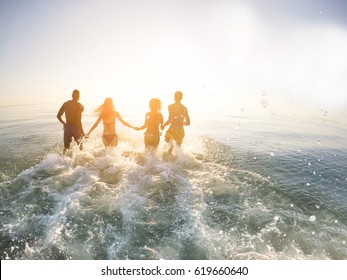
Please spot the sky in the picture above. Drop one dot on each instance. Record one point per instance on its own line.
(227, 57)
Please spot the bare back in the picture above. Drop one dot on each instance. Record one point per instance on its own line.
(109, 121)
(153, 120)
(178, 113)
(73, 112)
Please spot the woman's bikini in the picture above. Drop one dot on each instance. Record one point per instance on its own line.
(109, 139)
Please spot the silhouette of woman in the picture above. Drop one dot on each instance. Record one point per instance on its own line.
(153, 120)
(108, 115)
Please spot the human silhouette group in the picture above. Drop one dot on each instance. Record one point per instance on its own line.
(154, 122)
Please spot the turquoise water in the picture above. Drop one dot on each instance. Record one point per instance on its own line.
(241, 188)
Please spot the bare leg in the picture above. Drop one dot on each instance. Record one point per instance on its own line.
(171, 143)
(66, 148)
(80, 144)
(151, 149)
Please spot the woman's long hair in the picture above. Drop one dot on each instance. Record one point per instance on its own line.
(106, 108)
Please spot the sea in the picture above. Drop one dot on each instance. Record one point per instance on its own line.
(239, 188)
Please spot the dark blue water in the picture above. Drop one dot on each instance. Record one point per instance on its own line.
(241, 188)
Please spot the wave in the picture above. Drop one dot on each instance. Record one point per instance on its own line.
(207, 202)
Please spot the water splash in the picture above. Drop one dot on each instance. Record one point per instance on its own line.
(207, 202)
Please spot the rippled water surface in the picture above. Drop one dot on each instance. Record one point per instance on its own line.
(241, 188)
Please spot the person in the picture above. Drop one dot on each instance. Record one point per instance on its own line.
(108, 115)
(73, 125)
(153, 120)
(178, 117)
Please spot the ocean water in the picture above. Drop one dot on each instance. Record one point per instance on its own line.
(240, 188)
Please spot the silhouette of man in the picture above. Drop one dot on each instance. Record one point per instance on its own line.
(178, 117)
(73, 116)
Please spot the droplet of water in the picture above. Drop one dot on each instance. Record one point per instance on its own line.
(313, 233)
(272, 154)
(314, 172)
(291, 205)
(312, 218)
(276, 218)
(336, 221)
(318, 142)
(317, 206)
(264, 103)
(308, 184)
(220, 232)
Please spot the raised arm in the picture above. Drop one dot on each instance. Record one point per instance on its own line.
(122, 121)
(145, 125)
(95, 125)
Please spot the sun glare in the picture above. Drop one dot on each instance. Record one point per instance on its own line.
(224, 57)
